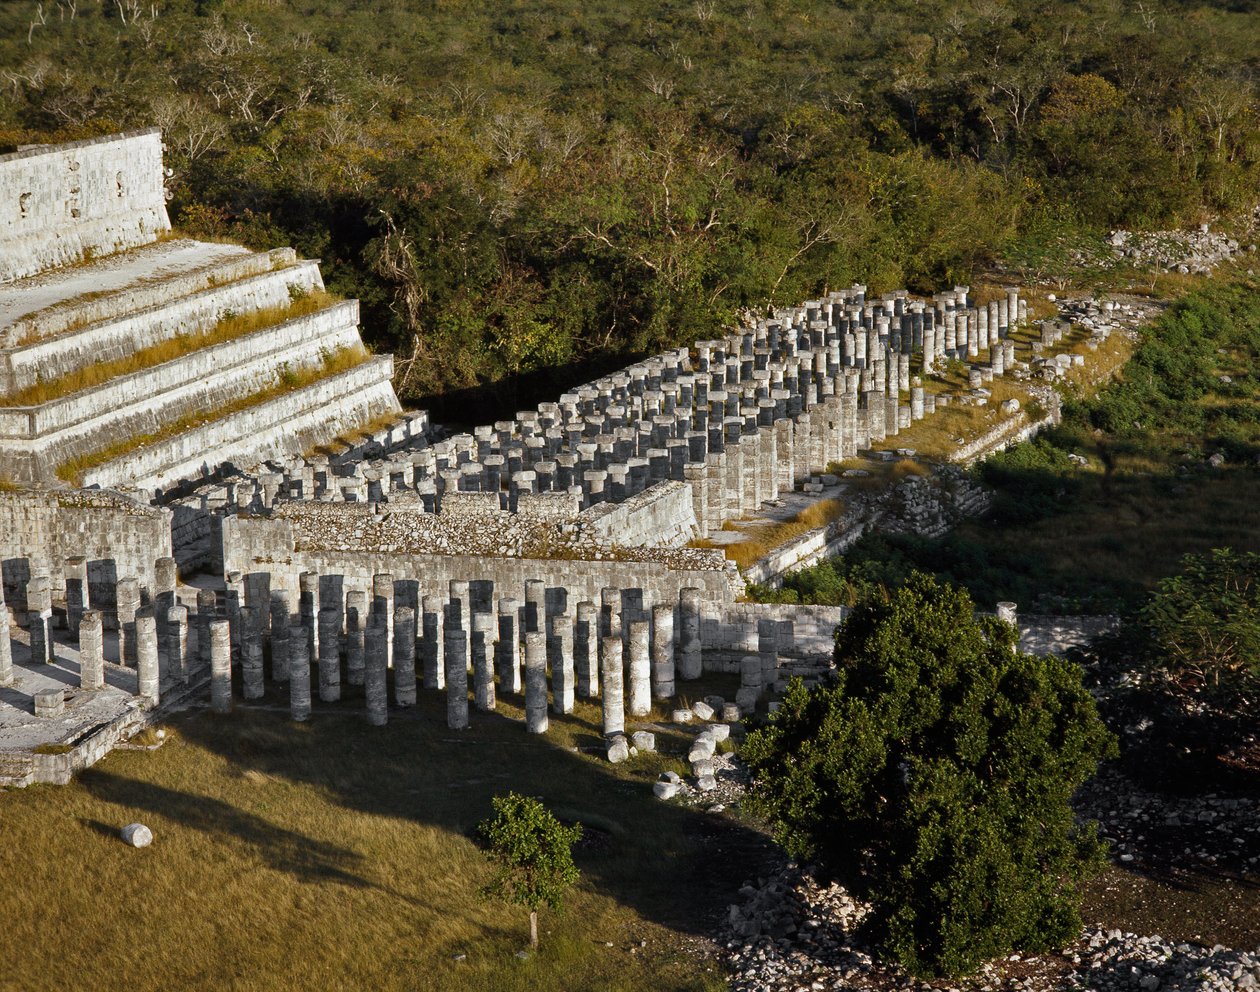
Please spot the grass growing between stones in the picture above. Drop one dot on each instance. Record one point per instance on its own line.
(763, 538)
(288, 380)
(227, 329)
(334, 855)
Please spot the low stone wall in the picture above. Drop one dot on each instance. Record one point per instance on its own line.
(662, 516)
(62, 203)
(1042, 635)
(118, 536)
(284, 426)
(806, 550)
(52, 357)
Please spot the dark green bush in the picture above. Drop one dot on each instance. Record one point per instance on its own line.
(932, 778)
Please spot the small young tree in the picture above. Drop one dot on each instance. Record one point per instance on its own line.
(932, 777)
(532, 855)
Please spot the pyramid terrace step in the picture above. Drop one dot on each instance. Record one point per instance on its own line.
(108, 287)
(35, 440)
(274, 428)
(116, 338)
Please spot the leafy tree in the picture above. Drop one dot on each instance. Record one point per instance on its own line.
(1205, 622)
(932, 777)
(531, 852)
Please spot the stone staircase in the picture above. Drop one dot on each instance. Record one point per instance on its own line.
(161, 362)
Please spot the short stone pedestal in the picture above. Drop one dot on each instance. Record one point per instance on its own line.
(50, 702)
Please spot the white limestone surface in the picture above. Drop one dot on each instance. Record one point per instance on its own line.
(112, 274)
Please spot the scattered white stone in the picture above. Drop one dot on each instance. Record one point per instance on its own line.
(680, 716)
(618, 750)
(702, 710)
(643, 740)
(136, 835)
(665, 790)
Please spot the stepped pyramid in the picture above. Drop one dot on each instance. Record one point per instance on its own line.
(132, 358)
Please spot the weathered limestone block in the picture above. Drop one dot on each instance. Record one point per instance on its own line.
(91, 647)
(50, 702)
(220, 638)
(611, 685)
(405, 656)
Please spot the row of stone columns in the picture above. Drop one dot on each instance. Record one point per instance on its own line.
(515, 647)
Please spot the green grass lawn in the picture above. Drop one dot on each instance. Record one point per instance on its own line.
(335, 855)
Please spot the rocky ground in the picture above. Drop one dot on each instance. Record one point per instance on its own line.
(793, 931)
(1195, 252)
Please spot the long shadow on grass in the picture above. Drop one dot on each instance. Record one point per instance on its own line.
(676, 866)
(281, 849)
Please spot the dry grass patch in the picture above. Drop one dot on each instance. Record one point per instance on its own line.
(762, 538)
(227, 329)
(935, 436)
(337, 855)
(287, 381)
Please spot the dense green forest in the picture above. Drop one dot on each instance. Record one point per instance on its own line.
(522, 191)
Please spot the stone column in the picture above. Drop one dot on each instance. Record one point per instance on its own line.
(405, 656)
(1009, 612)
(610, 612)
(179, 660)
(749, 691)
(76, 593)
(299, 673)
(39, 613)
(586, 650)
(356, 657)
(662, 651)
(639, 702)
(432, 671)
(6, 645)
(376, 670)
(535, 606)
(127, 591)
(562, 675)
(383, 606)
(251, 655)
(281, 620)
(536, 682)
(148, 677)
(220, 638)
(482, 649)
(329, 654)
(611, 685)
(690, 664)
(768, 650)
(455, 654)
(459, 608)
(507, 648)
(308, 609)
(91, 647)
